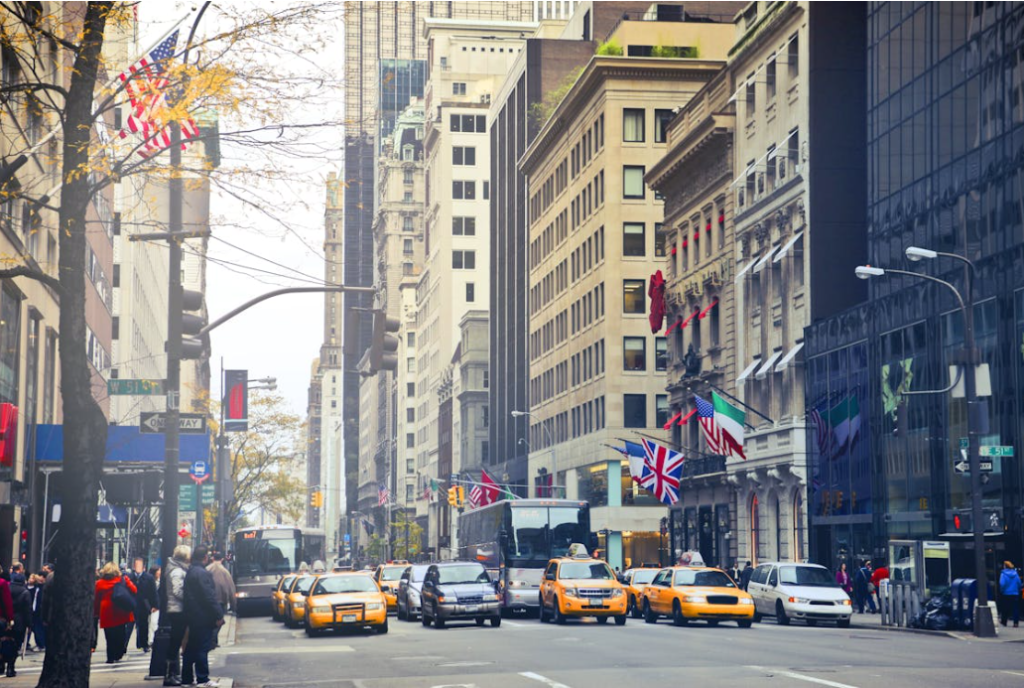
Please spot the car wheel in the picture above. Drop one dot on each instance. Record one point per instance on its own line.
(812, 622)
(843, 623)
(402, 614)
(634, 608)
(620, 620)
(780, 614)
(438, 621)
(677, 614)
(745, 624)
(649, 616)
(542, 612)
(495, 622)
(480, 622)
(602, 620)
(556, 613)
(424, 619)
(310, 631)
(757, 617)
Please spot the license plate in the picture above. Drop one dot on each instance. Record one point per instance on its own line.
(596, 602)
(472, 608)
(348, 618)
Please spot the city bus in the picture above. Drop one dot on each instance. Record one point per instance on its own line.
(262, 554)
(515, 539)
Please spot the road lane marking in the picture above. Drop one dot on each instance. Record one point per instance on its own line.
(542, 679)
(515, 624)
(1013, 673)
(802, 677)
(295, 650)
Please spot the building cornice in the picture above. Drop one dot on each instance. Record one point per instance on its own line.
(714, 126)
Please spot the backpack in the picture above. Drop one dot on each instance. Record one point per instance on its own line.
(122, 597)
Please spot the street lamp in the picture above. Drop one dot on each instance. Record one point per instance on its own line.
(551, 441)
(983, 623)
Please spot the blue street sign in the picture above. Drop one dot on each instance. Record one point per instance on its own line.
(197, 469)
(348, 538)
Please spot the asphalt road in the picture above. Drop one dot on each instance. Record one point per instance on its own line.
(526, 654)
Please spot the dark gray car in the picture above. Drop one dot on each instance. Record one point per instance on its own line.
(459, 590)
(410, 587)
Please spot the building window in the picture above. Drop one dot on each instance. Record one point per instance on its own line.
(793, 150)
(463, 260)
(464, 155)
(661, 410)
(751, 95)
(408, 153)
(769, 171)
(633, 239)
(464, 190)
(487, 190)
(464, 226)
(407, 225)
(660, 353)
(633, 181)
(410, 415)
(634, 411)
(633, 125)
(410, 365)
(410, 389)
(769, 77)
(793, 56)
(659, 240)
(661, 122)
(470, 292)
(410, 339)
(487, 379)
(407, 176)
(410, 440)
(796, 551)
(633, 296)
(634, 353)
(407, 197)
(469, 124)
(485, 416)
(407, 247)
(458, 88)
(10, 336)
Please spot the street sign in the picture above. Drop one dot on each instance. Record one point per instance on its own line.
(135, 387)
(995, 450)
(188, 423)
(187, 496)
(198, 471)
(964, 443)
(184, 532)
(964, 467)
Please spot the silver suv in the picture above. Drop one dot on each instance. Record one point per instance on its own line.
(459, 590)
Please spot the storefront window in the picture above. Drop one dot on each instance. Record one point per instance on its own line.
(593, 484)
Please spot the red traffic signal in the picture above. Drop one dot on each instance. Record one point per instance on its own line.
(956, 522)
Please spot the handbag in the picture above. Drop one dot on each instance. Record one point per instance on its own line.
(122, 597)
(871, 588)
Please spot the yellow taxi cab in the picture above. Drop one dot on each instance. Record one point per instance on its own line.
(579, 585)
(687, 593)
(295, 600)
(277, 597)
(345, 600)
(387, 577)
(636, 580)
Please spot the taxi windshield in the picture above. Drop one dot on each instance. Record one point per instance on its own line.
(709, 579)
(286, 583)
(339, 584)
(454, 575)
(644, 576)
(392, 573)
(304, 584)
(585, 571)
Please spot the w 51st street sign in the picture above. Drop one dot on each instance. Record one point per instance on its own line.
(188, 423)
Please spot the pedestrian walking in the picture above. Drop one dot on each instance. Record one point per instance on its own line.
(745, 574)
(113, 607)
(21, 619)
(36, 583)
(204, 614)
(173, 591)
(843, 579)
(6, 622)
(225, 587)
(146, 603)
(879, 574)
(1009, 594)
(863, 588)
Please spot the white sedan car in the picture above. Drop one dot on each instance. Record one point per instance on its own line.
(789, 590)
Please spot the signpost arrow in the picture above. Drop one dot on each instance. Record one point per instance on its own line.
(962, 467)
(188, 423)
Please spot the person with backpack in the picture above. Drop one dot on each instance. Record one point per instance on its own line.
(1009, 594)
(113, 605)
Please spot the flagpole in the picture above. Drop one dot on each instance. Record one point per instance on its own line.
(749, 408)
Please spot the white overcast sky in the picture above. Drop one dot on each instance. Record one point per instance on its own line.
(279, 337)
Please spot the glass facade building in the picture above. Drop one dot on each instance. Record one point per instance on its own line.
(945, 156)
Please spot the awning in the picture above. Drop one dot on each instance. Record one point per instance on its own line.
(685, 419)
(747, 371)
(707, 310)
(764, 259)
(788, 358)
(789, 244)
(763, 371)
(671, 420)
(696, 311)
(744, 270)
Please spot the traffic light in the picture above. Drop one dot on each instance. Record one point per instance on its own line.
(384, 346)
(24, 545)
(192, 321)
(461, 496)
(453, 496)
(316, 499)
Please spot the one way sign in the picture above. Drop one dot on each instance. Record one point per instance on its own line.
(188, 423)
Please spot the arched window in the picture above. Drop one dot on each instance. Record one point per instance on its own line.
(798, 525)
(778, 528)
(755, 528)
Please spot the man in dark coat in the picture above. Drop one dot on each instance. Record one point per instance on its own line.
(204, 613)
(21, 603)
(745, 575)
(145, 602)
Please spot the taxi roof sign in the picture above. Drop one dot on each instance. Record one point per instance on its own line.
(578, 551)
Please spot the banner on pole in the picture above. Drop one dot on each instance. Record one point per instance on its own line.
(236, 401)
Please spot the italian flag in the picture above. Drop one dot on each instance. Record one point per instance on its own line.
(730, 421)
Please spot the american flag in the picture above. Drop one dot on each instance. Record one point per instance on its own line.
(706, 417)
(475, 495)
(666, 468)
(146, 85)
(382, 494)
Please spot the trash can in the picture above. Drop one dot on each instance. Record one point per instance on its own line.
(969, 591)
(956, 591)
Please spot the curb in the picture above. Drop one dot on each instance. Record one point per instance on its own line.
(232, 624)
(955, 635)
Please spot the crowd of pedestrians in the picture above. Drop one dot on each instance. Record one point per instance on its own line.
(23, 614)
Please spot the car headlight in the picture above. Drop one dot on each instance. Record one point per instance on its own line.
(847, 603)
(373, 606)
(298, 605)
(616, 592)
(570, 592)
(491, 598)
(321, 610)
(746, 600)
(241, 595)
(799, 600)
(440, 599)
(696, 599)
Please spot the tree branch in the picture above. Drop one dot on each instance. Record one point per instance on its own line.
(32, 273)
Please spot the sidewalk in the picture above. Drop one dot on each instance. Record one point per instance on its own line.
(1005, 634)
(130, 672)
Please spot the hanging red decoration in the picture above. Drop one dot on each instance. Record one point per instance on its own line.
(686, 242)
(721, 219)
(656, 291)
(696, 236)
(674, 249)
(708, 228)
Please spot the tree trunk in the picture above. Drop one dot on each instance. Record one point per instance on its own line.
(85, 427)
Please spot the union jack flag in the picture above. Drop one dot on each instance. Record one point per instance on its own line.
(666, 468)
(706, 418)
(146, 85)
(382, 494)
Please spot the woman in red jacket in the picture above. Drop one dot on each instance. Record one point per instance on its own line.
(112, 618)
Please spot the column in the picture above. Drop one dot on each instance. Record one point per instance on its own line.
(614, 539)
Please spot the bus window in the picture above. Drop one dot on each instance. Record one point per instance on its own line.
(566, 529)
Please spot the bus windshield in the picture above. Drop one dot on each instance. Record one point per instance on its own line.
(267, 552)
(540, 533)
